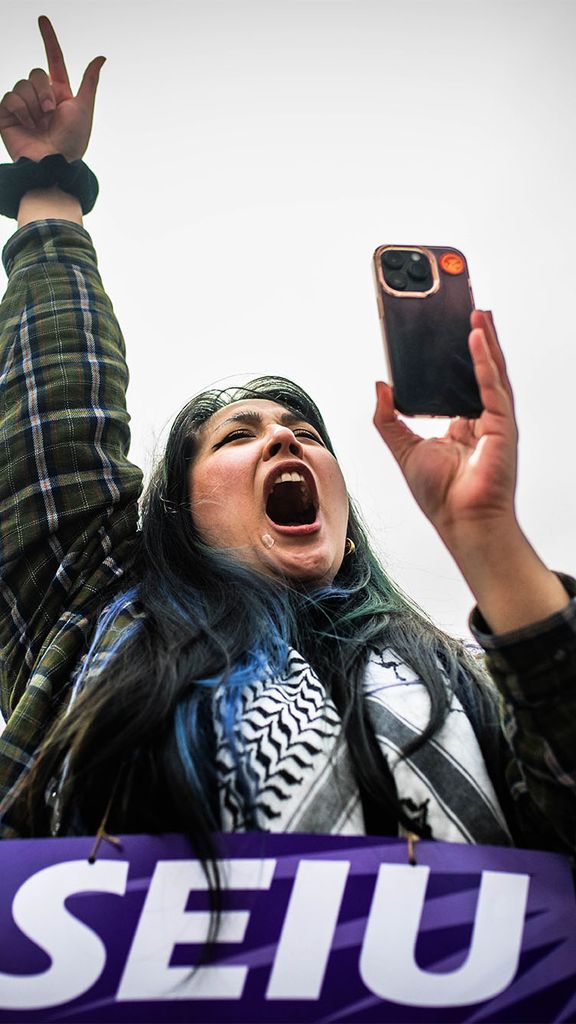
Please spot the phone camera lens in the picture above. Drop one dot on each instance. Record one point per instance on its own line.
(397, 281)
(393, 258)
(418, 271)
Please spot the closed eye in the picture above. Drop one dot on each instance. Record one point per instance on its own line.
(233, 436)
(299, 432)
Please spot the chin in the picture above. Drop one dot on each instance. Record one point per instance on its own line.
(305, 569)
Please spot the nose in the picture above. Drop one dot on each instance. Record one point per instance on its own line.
(281, 440)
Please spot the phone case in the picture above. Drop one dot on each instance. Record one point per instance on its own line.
(424, 302)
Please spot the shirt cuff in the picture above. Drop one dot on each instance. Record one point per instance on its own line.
(48, 241)
(532, 663)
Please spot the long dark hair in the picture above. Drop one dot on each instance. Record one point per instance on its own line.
(137, 741)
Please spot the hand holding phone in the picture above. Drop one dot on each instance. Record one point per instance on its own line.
(465, 481)
(424, 303)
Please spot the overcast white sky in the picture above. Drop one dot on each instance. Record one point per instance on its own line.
(252, 155)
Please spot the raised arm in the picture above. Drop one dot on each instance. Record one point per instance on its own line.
(526, 615)
(68, 492)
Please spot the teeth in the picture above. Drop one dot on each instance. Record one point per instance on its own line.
(294, 477)
(286, 478)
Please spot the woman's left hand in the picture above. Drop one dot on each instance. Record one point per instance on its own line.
(467, 478)
(465, 482)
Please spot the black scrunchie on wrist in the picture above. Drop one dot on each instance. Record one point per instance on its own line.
(24, 175)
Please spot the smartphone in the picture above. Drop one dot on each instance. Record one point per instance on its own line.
(424, 303)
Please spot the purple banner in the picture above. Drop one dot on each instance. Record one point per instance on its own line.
(314, 928)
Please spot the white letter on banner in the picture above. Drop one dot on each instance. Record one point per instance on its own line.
(309, 925)
(165, 923)
(78, 955)
(387, 964)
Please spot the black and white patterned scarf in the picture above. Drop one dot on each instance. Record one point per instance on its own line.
(287, 731)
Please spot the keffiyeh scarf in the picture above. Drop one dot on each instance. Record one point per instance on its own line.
(287, 733)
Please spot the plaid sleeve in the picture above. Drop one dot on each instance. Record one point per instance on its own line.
(68, 493)
(534, 669)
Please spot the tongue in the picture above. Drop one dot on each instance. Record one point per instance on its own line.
(287, 506)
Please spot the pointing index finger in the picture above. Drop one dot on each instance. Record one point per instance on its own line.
(56, 65)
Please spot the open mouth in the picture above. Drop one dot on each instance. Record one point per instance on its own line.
(290, 502)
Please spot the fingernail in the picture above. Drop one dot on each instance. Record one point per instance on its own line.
(48, 104)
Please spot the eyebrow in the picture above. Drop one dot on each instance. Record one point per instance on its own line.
(255, 419)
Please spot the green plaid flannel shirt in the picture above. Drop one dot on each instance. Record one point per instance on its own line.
(68, 493)
(69, 512)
